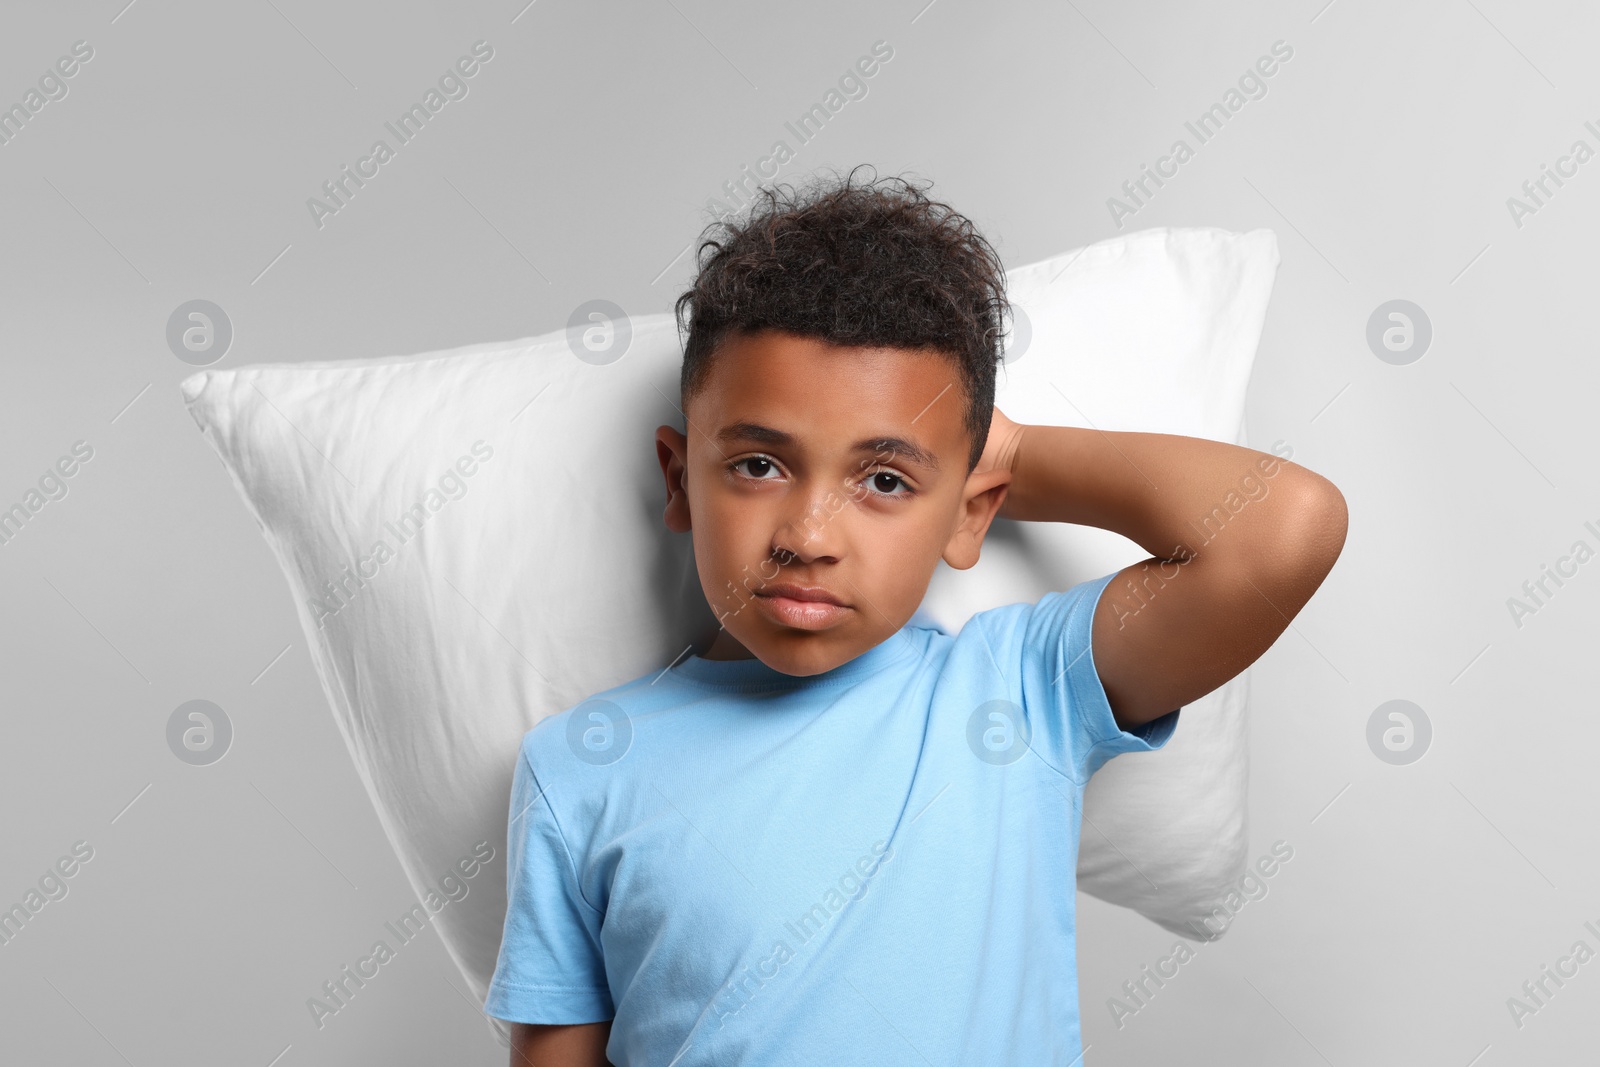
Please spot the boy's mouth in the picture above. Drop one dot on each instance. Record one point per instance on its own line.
(802, 607)
(814, 594)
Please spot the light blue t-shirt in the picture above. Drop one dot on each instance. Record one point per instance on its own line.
(876, 864)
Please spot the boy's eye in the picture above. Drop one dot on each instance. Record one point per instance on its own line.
(894, 478)
(883, 481)
(766, 463)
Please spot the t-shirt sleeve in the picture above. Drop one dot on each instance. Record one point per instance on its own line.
(1069, 718)
(550, 968)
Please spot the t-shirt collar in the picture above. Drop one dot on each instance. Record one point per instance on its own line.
(752, 672)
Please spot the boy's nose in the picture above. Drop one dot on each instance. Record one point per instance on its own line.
(813, 530)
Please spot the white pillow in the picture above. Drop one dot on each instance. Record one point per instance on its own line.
(467, 535)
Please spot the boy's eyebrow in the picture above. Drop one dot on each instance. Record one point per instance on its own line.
(753, 431)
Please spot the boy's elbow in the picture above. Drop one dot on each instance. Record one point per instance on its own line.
(1329, 519)
(1318, 521)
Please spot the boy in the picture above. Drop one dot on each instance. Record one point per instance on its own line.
(832, 836)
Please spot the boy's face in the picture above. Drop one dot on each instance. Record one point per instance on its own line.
(784, 478)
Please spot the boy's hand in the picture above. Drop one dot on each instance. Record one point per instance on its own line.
(1000, 450)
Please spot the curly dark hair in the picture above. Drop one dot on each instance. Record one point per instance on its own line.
(874, 265)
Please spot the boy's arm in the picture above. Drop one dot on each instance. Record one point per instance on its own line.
(1239, 540)
(579, 1045)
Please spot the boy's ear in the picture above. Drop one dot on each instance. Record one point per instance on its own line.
(672, 449)
(985, 492)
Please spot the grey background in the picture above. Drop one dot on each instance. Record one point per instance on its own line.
(219, 898)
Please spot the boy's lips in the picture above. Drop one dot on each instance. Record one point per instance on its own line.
(807, 593)
(801, 607)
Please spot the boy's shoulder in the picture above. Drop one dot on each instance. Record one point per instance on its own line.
(998, 624)
(1055, 606)
(593, 731)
